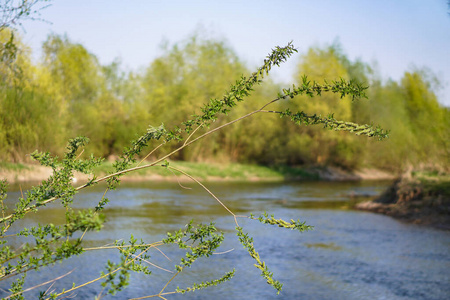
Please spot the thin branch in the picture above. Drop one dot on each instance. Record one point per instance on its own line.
(161, 292)
(206, 189)
(14, 271)
(155, 265)
(163, 253)
(150, 153)
(189, 137)
(49, 289)
(223, 252)
(157, 295)
(124, 246)
(101, 277)
(103, 197)
(173, 277)
(179, 183)
(39, 285)
(82, 151)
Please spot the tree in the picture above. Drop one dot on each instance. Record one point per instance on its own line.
(12, 13)
(188, 72)
(318, 146)
(89, 93)
(422, 106)
(419, 131)
(25, 103)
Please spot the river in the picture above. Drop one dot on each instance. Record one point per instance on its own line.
(349, 254)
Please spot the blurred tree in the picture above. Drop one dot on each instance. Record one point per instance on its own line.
(312, 144)
(185, 77)
(25, 108)
(387, 106)
(89, 92)
(426, 116)
(74, 70)
(419, 126)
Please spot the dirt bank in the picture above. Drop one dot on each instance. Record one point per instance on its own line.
(33, 173)
(420, 201)
(337, 174)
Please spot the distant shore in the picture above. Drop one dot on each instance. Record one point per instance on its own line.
(18, 173)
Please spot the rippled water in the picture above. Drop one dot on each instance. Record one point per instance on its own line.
(349, 254)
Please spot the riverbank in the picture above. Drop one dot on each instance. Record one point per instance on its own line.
(416, 199)
(18, 173)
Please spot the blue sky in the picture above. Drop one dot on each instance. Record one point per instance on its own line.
(398, 35)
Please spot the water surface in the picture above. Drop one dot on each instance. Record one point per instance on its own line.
(349, 254)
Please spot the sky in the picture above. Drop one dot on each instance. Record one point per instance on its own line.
(395, 36)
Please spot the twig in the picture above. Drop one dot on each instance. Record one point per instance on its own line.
(195, 130)
(152, 264)
(223, 252)
(39, 285)
(78, 156)
(150, 153)
(101, 277)
(206, 189)
(124, 246)
(103, 197)
(179, 183)
(161, 292)
(163, 254)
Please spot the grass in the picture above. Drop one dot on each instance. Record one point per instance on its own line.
(434, 182)
(201, 170)
(431, 175)
(15, 167)
(437, 187)
(232, 171)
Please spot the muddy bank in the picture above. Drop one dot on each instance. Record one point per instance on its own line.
(337, 174)
(419, 201)
(35, 173)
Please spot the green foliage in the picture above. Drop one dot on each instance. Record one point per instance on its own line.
(23, 105)
(16, 288)
(329, 122)
(294, 225)
(203, 241)
(195, 286)
(247, 242)
(118, 274)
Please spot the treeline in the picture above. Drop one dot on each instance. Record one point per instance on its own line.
(69, 93)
